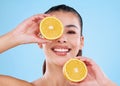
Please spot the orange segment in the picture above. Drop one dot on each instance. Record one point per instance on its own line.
(51, 28)
(75, 70)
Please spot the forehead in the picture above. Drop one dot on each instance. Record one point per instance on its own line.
(67, 18)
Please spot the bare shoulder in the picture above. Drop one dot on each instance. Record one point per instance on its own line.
(40, 82)
(11, 81)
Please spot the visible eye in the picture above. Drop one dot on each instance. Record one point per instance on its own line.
(71, 32)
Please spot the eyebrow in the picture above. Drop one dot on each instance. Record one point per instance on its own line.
(71, 25)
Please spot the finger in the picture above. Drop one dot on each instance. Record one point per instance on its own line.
(42, 40)
(87, 60)
(35, 18)
(40, 17)
(74, 83)
(94, 67)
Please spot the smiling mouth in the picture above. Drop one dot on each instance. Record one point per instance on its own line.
(61, 51)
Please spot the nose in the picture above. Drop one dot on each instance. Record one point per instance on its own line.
(62, 39)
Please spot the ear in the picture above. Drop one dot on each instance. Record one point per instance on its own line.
(81, 42)
(40, 45)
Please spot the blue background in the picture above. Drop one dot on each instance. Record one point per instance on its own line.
(101, 30)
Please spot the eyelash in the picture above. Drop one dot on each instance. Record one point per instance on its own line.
(71, 32)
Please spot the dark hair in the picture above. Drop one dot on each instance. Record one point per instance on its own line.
(64, 8)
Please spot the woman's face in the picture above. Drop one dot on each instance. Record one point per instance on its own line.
(68, 45)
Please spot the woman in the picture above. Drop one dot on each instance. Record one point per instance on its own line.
(57, 52)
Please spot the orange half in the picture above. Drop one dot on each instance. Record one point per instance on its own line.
(75, 70)
(51, 28)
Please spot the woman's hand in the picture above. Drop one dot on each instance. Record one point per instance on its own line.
(95, 76)
(26, 32)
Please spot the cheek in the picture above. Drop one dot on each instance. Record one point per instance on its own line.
(45, 48)
(75, 46)
(75, 42)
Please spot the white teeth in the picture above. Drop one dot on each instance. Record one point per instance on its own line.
(61, 50)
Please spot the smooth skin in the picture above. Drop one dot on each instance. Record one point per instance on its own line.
(57, 52)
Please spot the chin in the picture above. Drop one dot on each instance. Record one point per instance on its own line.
(60, 61)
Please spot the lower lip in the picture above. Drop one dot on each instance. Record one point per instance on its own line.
(61, 53)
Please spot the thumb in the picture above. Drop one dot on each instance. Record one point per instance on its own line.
(42, 40)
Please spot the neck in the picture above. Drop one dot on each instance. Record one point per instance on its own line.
(54, 75)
